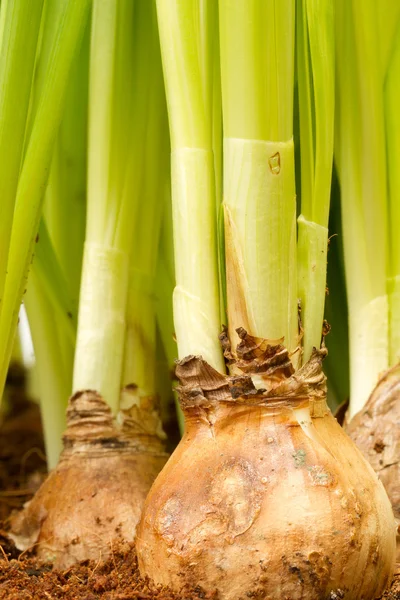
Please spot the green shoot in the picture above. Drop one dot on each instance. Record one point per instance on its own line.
(146, 182)
(184, 28)
(392, 95)
(19, 31)
(315, 61)
(53, 286)
(257, 68)
(105, 271)
(54, 377)
(65, 202)
(59, 45)
(361, 163)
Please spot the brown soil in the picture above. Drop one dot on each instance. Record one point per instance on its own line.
(22, 577)
(116, 579)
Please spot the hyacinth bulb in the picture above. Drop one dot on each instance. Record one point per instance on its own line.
(95, 496)
(376, 432)
(265, 496)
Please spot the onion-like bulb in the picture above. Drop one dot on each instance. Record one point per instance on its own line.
(265, 496)
(376, 432)
(95, 495)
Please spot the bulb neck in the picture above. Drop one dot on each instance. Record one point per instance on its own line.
(92, 431)
(262, 381)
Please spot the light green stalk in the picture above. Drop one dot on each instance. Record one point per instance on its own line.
(53, 378)
(19, 31)
(52, 319)
(3, 13)
(53, 286)
(52, 298)
(215, 98)
(165, 283)
(217, 141)
(110, 210)
(392, 100)
(257, 67)
(54, 282)
(65, 203)
(388, 23)
(63, 43)
(147, 179)
(315, 61)
(187, 79)
(361, 162)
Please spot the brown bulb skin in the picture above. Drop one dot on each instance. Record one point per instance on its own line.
(260, 500)
(376, 432)
(94, 497)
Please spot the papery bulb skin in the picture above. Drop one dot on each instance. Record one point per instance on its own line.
(265, 496)
(376, 432)
(95, 496)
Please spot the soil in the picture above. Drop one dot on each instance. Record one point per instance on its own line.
(116, 579)
(22, 469)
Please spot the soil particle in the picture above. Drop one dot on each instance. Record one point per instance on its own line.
(337, 595)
